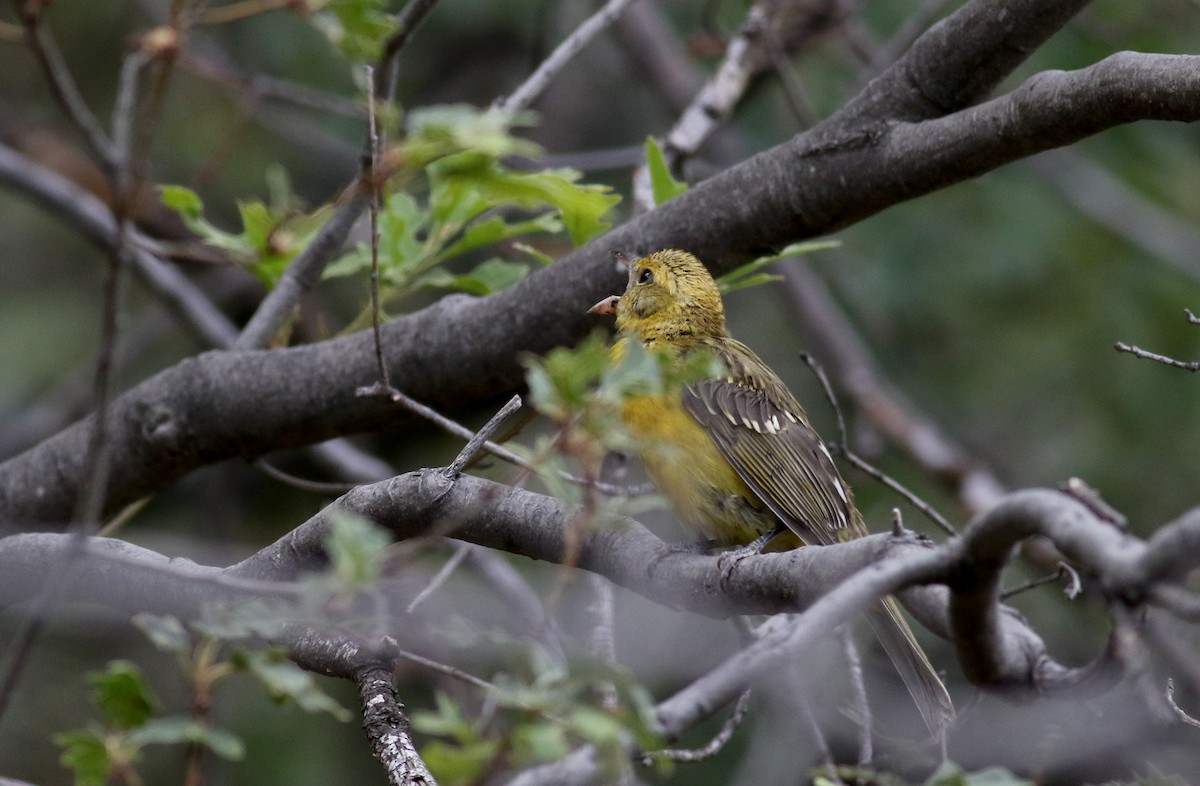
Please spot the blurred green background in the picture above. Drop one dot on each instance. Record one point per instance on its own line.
(994, 305)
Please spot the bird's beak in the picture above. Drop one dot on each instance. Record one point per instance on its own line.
(606, 307)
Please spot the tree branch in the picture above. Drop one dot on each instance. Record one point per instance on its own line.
(463, 349)
(830, 584)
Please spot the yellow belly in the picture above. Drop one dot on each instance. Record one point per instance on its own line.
(687, 467)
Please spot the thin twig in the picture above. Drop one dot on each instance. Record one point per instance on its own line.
(1179, 713)
(123, 122)
(302, 273)
(713, 746)
(916, 22)
(583, 35)
(45, 50)
(315, 486)
(862, 706)
(712, 105)
(822, 744)
(1072, 590)
(252, 87)
(499, 451)
(370, 156)
(235, 12)
(305, 270)
(122, 518)
(406, 24)
(89, 215)
(449, 671)
(477, 441)
(860, 463)
(883, 405)
(440, 578)
(511, 585)
(1138, 352)
(116, 162)
(1174, 646)
(793, 89)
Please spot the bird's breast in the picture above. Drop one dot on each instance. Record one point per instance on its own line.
(687, 467)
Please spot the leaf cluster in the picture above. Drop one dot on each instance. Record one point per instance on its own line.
(541, 717)
(131, 716)
(450, 195)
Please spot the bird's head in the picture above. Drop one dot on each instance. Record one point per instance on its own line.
(670, 294)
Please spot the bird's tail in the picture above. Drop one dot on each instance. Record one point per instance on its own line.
(915, 669)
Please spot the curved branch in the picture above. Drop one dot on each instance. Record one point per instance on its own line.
(79, 208)
(831, 584)
(463, 349)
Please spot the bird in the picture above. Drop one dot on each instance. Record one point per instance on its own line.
(735, 454)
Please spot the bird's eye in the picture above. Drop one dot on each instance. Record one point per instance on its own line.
(646, 276)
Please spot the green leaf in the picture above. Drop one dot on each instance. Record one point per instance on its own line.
(561, 383)
(538, 256)
(952, 775)
(122, 695)
(491, 276)
(596, 725)
(447, 721)
(276, 237)
(439, 131)
(178, 730)
(165, 633)
(84, 752)
(638, 371)
(662, 183)
(539, 741)
(285, 680)
(271, 237)
(746, 282)
(184, 201)
(401, 252)
(462, 188)
(495, 228)
(746, 275)
(456, 765)
(358, 28)
(188, 205)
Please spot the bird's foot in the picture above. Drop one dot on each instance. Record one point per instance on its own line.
(729, 560)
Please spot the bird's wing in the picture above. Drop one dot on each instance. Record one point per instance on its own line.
(762, 431)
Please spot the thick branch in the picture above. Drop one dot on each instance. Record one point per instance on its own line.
(833, 583)
(462, 349)
(959, 61)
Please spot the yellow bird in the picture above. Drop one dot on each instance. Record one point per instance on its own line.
(735, 455)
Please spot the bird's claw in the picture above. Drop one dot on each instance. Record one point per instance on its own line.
(729, 560)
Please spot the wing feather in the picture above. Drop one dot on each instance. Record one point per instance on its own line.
(763, 432)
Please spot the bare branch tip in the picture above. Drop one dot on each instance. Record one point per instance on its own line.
(1074, 584)
(1180, 713)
